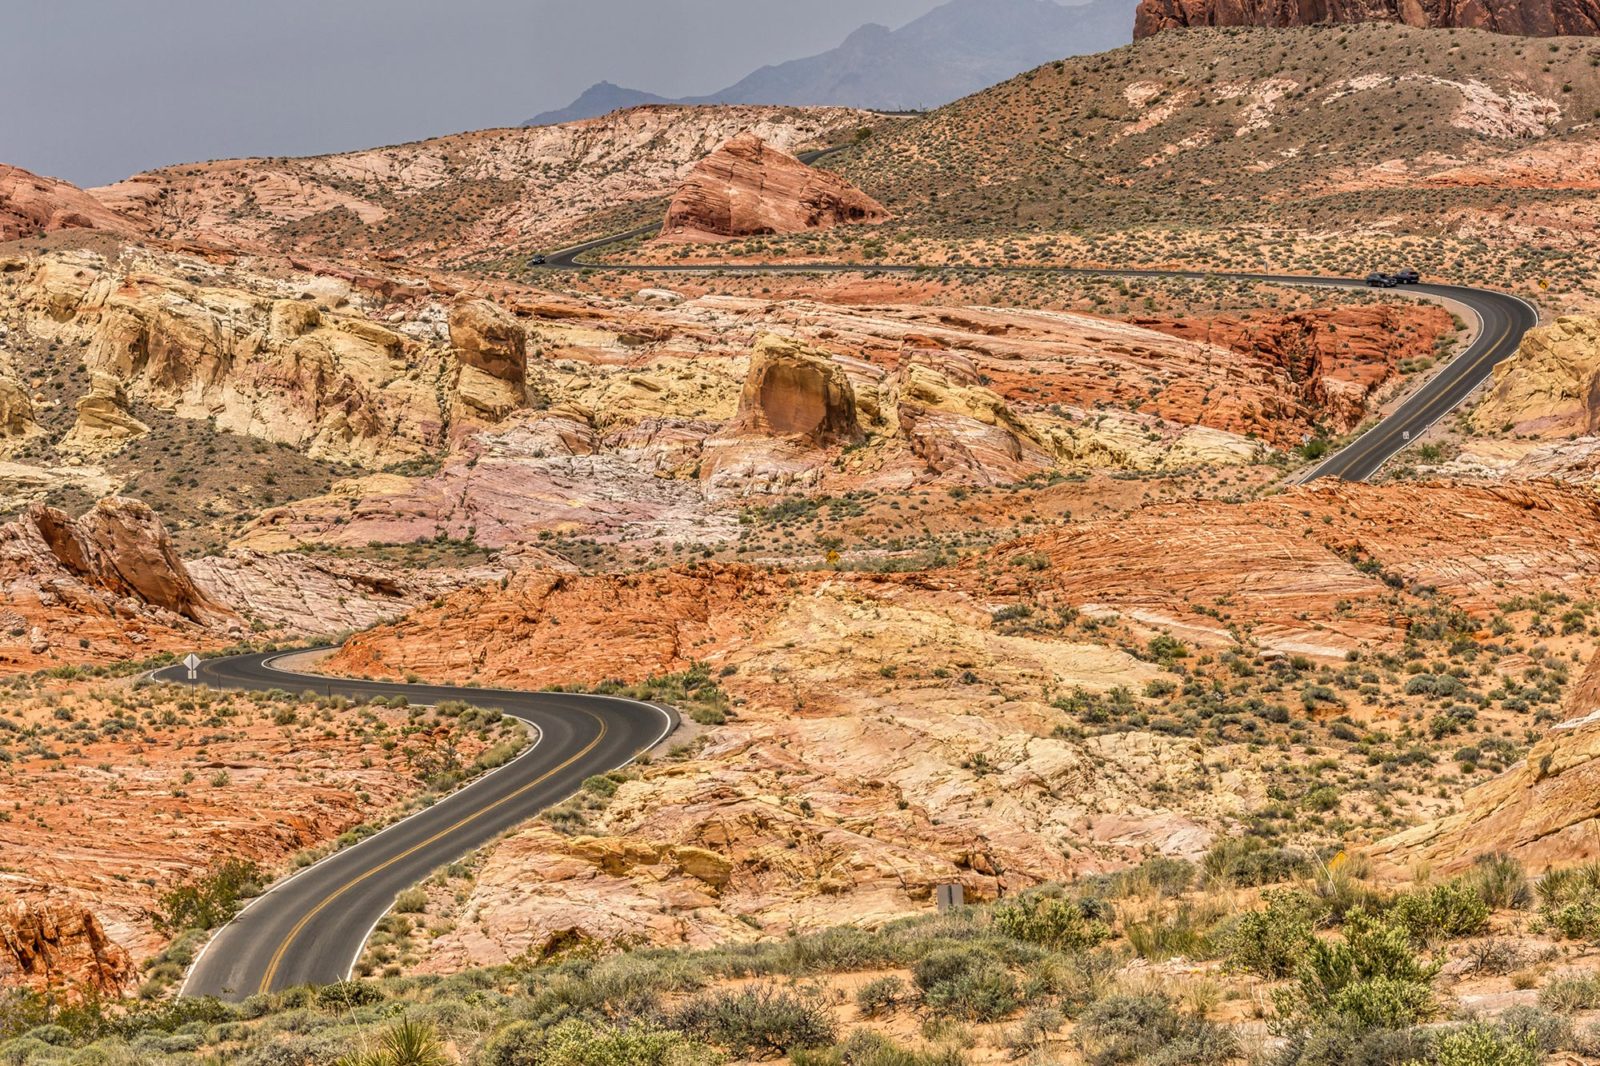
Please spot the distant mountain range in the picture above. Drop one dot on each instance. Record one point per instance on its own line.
(951, 52)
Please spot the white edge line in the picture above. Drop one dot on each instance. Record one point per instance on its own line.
(672, 722)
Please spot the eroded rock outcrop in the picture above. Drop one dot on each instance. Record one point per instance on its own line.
(17, 423)
(104, 422)
(103, 586)
(52, 944)
(1551, 387)
(492, 349)
(961, 428)
(747, 188)
(1534, 18)
(31, 205)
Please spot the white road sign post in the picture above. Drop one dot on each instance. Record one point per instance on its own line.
(191, 663)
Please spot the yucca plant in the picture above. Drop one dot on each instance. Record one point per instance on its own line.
(407, 1042)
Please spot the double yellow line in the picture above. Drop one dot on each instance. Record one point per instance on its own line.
(283, 948)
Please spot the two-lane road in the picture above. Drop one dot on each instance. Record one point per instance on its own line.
(309, 928)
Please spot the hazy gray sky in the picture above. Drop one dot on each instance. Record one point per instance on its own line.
(95, 90)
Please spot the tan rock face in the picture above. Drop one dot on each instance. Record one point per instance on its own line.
(1551, 387)
(492, 349)
(55, 944)
(796, 392)
(31, 205)
(747, 188)
(1529, 18)
(17, 423)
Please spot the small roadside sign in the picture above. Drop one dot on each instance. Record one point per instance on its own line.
(191, 662)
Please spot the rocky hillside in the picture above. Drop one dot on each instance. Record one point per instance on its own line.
(1381, 127)
(1536, 18)
(470, 198)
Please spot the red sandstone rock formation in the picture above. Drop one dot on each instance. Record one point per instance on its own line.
(55, 945)
(1537, 18)
(107, 585)
(30, 205)
(747, 187)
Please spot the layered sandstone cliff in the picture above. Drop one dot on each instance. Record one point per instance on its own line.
(747, 187)
(56, 944)
(1551, 387)
(1551, 18)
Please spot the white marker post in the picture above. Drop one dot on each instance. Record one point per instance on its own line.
(191, 663)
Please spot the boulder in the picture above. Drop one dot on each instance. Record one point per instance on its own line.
(795, 392)
(748, 188)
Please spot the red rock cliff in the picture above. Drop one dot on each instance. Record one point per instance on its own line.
(1535, 18)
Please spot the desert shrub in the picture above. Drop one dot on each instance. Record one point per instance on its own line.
(1053, 921)
(1501, 882)
(1569, 901)
(578, 1043)
(1370, 976)
(1571, 992)
(210, 899)
(347, 995)
(1441, 912)
(407, 1042)
(1272, 941)
(759, 1022)
(1149, 1029)
(867, 1048)
(880, 996)
(969, 983)
(1186, 930)
(1549, 1032)
(1247, 862)
(1341, 1043)
(1485, 1045)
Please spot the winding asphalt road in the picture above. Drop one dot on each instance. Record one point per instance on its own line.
(311, 927)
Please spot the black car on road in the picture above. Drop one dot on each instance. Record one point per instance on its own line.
(1407, 277)
(1379, 280)
(537, 261)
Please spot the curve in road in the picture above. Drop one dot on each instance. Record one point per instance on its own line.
(1503, 319)
(310, 928)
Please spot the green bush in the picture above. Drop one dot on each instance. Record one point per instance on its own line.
(880, 996)
(1272, 941)
(758, 1022)
(1484, 1045)
(1501, 882)
(867, 1048)
(579, 1043)
(1570, 993)
(1248, 862)
(209, 900)
(1569, 901)
(1370, 977)
(1447, 911)
(1053, 921)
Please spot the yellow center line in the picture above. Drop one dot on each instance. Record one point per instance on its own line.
(277, 956)
(1487, 352)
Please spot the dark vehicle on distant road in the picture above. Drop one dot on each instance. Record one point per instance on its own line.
(1379, 280)
(537, 261)
(1407, 277)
